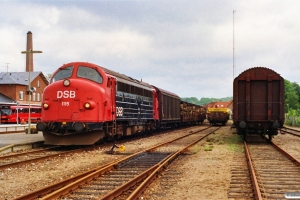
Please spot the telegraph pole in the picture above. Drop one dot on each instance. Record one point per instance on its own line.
(233, 45)
(30, 51)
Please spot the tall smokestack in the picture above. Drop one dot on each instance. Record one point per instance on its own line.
(29, 56)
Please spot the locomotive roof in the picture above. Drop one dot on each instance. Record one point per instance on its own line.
(125, 79)
(259, 73)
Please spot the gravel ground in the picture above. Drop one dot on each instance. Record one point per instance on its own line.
(204, 171)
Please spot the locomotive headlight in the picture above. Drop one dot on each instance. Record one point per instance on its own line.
(89, 105)
(67, 82)
(45, 106)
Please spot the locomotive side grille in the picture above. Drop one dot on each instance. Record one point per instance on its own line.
(134, 107)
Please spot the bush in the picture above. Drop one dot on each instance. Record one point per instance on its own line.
(292, 121)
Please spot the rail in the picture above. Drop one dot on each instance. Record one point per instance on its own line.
(291, 131)
(273, 172)
(64, 187)
(252, 173)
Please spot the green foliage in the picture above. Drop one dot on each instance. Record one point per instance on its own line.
(234, 142)
(205, 100)
(292, 95)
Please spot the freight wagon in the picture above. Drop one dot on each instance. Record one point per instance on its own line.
(217, 116)
(192, 113)
(258, 102)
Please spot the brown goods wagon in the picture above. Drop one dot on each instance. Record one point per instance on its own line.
(169, 108)
(258, 102)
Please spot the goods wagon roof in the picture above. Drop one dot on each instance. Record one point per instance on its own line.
(259, 73)
(165, 92)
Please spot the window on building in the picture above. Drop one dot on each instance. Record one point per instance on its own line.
(21, 95)
(38, 97)
(34, 96)
(38, 83)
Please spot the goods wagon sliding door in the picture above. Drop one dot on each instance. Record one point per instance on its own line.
(258, 100)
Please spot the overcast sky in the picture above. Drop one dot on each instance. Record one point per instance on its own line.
(185, 47)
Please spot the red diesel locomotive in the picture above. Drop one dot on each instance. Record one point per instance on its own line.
(85, 103)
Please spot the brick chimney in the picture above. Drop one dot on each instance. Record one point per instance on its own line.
(29, 56)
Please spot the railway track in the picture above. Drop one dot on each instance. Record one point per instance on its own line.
(31, 156)
(274, 172)
(290, 131)
(240, 183)
(7, 161)
(126, 178)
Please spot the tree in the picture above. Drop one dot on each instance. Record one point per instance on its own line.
(291, 95)
(297, 89)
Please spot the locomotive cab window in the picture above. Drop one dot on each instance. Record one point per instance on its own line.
(62, 74)
(89, 73)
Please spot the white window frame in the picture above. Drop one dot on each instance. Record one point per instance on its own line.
(33, 96)
(21, 95)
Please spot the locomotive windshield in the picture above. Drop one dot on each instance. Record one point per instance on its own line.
(89, 73)
(62, 74)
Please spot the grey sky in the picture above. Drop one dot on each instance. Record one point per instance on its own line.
(185, 47)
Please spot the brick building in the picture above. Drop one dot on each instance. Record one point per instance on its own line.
(14, 86)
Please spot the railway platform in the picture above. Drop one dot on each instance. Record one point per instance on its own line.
(10, 138)
(20, 139)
